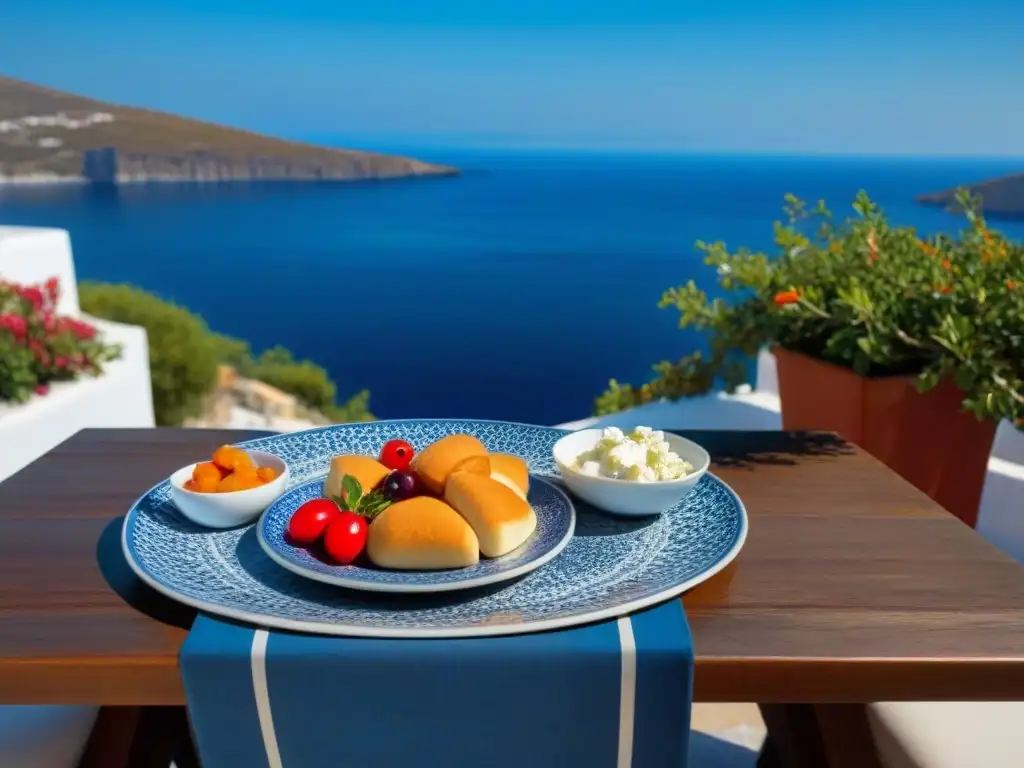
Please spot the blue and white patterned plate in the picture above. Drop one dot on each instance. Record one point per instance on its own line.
(611, 567)
(556, 520)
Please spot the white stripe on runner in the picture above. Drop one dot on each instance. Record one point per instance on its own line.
(627, 698)
(262, 694)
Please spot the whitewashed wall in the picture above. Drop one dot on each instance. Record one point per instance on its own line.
(53, 737)
(120, 398)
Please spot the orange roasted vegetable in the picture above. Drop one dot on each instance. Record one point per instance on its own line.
(206, 484)
(230, 470)
(208, 469)
(232, 459)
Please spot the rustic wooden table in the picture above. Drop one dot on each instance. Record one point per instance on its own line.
(852, 587)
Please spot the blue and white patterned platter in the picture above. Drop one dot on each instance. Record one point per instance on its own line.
(556, 520)
(611, 567)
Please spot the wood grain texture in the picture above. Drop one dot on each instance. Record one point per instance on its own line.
(852, 587)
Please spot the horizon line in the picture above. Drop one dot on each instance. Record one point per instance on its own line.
(391, 146)
(390, 143)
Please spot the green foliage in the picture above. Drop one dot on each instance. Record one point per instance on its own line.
(304, 379)
(183, 355)
(864, 295)
(356, 408)
(234, 352)
(308, 382)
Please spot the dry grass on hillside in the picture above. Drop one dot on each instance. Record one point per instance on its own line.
(145, 132)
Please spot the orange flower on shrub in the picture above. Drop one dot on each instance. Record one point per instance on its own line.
(786, 297)
(825, 302)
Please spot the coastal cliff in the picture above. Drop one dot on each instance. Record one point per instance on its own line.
(109, 165)
(999, 197)
(51, 136)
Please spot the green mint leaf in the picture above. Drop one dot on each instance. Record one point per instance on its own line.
(351, 492)
(373, 504)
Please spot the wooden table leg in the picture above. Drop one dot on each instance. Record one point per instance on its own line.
(140, 737)
(110, 742)
(817, 736)
(793, 738)
(846, 736)
(769, 756)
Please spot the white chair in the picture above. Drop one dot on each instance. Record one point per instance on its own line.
(44, 737)
(941, 734)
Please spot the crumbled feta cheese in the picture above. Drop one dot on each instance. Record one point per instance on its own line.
(642, 456)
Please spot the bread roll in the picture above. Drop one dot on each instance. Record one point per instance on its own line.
(438, 460)
(422, 533)
(369, 472)
(511, 471)
(501, 518)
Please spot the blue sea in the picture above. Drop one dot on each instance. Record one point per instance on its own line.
(515, 291)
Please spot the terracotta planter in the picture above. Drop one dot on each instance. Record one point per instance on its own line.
(927, 438)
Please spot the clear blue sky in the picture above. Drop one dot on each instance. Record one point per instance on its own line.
(873, 76)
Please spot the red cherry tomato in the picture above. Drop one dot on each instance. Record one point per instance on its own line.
(396, 454)
(309, 521)
(345, 537)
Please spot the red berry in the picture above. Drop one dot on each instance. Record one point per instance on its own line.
(396, 454)
(309, 521)
(345, 537)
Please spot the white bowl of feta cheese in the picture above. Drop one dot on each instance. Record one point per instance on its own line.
(638, 472)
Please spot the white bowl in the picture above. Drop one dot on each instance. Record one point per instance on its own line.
(227, 510)
(628, 497)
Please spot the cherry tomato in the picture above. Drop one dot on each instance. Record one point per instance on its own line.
(345, 537)
(309, 521)
(396, 454)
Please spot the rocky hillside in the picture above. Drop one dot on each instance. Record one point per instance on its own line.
(1000, 197)
(50, 135)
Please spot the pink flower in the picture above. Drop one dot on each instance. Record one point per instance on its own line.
(33, 296)
(16, 324)
(53, 289)
(61, 362)
(49, 322)
(39, 351)
(82, 331)
(42, 389)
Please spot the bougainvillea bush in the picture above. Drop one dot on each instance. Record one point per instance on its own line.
(39, 347)
(863, 294)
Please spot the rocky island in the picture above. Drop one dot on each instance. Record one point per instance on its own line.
(999, 197)
(51, 136)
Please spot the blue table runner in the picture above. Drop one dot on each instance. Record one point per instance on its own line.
(610, 695)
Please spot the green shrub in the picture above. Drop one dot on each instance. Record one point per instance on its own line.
(183, 354)
(306, 380)
(234, 352)
(357, 408)
(865, 295)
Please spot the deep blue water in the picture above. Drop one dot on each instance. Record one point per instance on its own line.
(514, 291)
